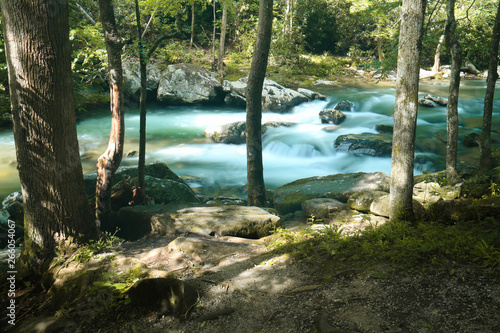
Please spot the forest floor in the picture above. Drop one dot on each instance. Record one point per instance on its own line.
(251, 288)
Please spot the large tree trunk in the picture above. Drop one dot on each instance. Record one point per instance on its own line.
(56, 210)
(486, 160)
(110, 160)
(405, 110)
(452, 108)
(140, 194)
(255, 170)
(222, 43)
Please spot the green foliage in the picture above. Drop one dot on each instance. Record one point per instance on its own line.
(400, 243)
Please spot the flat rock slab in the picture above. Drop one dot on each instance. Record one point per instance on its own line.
(240, 221)
(289, 197)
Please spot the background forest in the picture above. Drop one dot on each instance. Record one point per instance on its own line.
(310, 37)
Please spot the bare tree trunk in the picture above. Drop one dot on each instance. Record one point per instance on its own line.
(87, 15)
(213, 38)
(486, 160)
(379, 45)
(110, 160)
(437, 56)
(405, 110)
(452, 107)
(140, 194)
(191, 41)
(255, 169)
(56, 210)
(222, 42)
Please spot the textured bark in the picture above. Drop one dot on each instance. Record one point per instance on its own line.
(191, 40)
(222, 43)
(110, 160)
(437, 56)
(56, 210)
(255, 170)
(405, 110)
(454, 49)
(486, 160)
(140, 194)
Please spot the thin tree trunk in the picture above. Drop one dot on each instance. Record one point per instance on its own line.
(213, 39)
(110, 160)
(56, 210)
(486, 160)
(149, 23)
(140, 194)
(379, 45)
(87, 15)
(437, 56)
(222, 39)
(452, 107)
(255, 169)
(191, 41)
(405, 110)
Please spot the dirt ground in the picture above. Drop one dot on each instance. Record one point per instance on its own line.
(243, 287)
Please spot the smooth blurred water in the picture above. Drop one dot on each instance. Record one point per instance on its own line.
(175, 135)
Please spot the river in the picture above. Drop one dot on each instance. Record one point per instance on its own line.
(175, 135)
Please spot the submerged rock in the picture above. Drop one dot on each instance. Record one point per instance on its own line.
(289, 197)
(365, 143)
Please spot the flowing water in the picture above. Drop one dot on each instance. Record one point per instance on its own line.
(175, 135)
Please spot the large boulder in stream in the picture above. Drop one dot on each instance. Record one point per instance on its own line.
(275, 97)
(240, 221)
(365, 143)
(289, 197)
(235, 133)
(331, 116)
(183, 84)
(132, 79)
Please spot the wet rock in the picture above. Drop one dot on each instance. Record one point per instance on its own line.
(289, 197)
(183, 84)
(380, 128)
(331, 116)
(345, 105)
(311, 95)
(426, 103)
(233, 133)
(436, 99)
(470, 140)
(365, 143)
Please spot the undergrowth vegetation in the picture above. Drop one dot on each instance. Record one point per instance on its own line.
(399, 243)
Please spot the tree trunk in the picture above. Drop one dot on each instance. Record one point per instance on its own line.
(191, 41)
(56, 210)
(222, 42)
(452, 108)
(486, 160)
(255, 170)
(140, 194)
(405, 110)
(213, 38)
(437, 56)
(110, 160)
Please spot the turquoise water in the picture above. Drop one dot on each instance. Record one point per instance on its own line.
(175, 135)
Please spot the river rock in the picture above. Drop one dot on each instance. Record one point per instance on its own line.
(289, 197)
(365, 143)
(331, 116)
(426, 102)
(156, 170)
(381, 128)
(166, 191)
(132, 80)
(233, 133)
(183, 84)
(240, 221)
(453, 211)
(428, 193)
(275, 97)
(362, 200)
(438, 100)
(470, 140)
(311, 95)
(345, 105)
(380, 206)
(320, 208)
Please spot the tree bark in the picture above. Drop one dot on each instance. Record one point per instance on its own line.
(437, 56)
(213, 37)
(110, 160)
(191, 41)
(140, 193)
(486, 160)
(405, 110)
(56, 210)
(255, 169)
(452, 108)
(220, 65)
